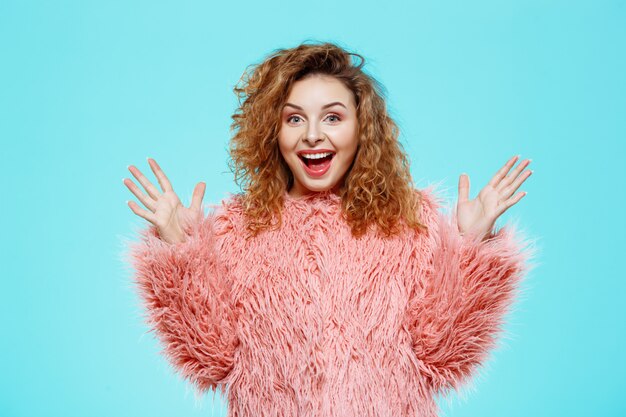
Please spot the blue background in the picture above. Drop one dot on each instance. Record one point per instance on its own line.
(88, 88)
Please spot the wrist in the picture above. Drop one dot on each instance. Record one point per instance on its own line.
(482, 234)
(173, 237)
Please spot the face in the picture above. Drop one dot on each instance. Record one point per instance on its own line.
(318, 134)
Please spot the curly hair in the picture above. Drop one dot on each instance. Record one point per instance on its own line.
(377, 189)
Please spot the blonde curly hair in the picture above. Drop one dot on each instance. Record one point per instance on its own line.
(377, 189)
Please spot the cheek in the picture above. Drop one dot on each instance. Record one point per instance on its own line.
(348, 144)
(346, 137)
(283, 146)
(286, 150)
(287, 142)
(351, 152)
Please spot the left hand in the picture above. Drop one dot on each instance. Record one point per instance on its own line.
(478, 216)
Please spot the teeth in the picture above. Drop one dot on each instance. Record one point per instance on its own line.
(316, 155)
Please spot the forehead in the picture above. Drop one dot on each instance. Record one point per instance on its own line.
(317, 90)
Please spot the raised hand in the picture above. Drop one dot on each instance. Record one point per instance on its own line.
(478, 216)
(165, 209)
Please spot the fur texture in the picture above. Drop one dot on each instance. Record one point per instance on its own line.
(309, 321)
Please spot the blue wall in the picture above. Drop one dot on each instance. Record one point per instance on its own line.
(88, 88)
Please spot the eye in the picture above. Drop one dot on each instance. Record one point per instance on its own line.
(290, 119)
(335, 116)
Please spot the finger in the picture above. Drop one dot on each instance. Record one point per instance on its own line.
(164, 182)
(147, 201)
(508, 191)
(147, 185)
(464, 186)
(502, 172)
(198, 195)
(514, 174)
(511, 201)
(141, 212)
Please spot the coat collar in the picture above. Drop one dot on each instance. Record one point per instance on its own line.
(320, 202)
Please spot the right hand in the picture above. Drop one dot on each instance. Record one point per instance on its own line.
(166, 212)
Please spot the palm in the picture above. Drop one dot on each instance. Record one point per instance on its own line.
(165, 209)
(478, 216)
(171, 213)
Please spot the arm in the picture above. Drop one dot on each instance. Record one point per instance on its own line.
(456, 309)
(187, 297)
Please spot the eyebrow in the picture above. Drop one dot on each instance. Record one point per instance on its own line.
(334, 103)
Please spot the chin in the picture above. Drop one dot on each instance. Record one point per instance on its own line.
(320, 186)
(317, 187)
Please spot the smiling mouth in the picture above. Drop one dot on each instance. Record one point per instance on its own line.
(316, 163)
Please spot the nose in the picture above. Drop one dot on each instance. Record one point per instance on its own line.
(313, 134)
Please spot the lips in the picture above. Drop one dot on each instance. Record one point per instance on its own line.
(316, 164)
(314, 151)
(311, 158)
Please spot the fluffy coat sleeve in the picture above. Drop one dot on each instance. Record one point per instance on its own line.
(458, 304)
(187, 299)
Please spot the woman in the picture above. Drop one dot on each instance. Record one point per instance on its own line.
(330, 286)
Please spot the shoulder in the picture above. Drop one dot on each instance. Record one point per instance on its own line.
(430, 199)
(432, 204)
(227, 214)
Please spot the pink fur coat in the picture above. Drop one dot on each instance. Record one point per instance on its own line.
(309, 321)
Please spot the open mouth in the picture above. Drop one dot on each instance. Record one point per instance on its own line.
(317, 162)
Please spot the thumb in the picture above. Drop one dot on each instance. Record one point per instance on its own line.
(464, 187)
(198, 195)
